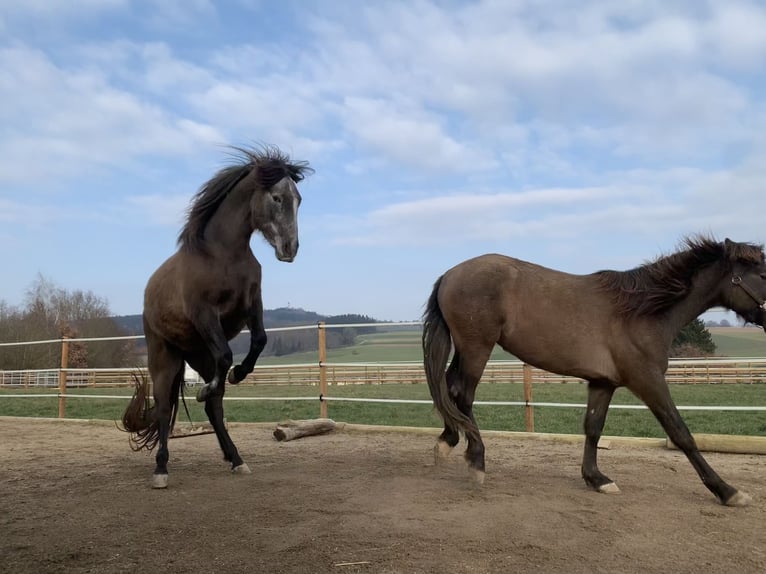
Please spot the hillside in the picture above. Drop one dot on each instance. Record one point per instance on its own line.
(280, 343)
(281, 317)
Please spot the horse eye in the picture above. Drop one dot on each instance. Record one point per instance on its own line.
(277, 198)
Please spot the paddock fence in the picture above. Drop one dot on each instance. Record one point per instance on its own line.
(64, 381)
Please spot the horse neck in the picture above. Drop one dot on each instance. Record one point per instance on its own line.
(704, 294)
(230, 228)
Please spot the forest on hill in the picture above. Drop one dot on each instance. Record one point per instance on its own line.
(282, 342)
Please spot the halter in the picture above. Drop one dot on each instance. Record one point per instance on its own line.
(737, 280)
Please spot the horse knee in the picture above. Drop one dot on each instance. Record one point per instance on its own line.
(259, 341)
(227, 359)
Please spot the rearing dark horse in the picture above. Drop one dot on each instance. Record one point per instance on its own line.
(205, 294)
(610, 328)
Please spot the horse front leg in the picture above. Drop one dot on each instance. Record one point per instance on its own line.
(657, 397)
(209, 327)
(599, 396)
(258, 341)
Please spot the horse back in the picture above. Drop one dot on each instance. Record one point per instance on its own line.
(554, 320)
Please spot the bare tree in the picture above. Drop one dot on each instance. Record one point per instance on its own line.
(51, 312)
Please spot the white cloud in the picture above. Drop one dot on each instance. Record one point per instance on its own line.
(643, 79)
(77, 121)
(408, 136)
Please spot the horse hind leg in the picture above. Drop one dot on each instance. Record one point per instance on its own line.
(450, 436)
(167, 375)
(214, 411)
(468, 374)
(205, 365)
(599, 396)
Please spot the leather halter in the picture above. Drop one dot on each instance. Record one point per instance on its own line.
(737, 280)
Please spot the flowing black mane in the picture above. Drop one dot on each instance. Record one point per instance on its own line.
(654, 287)
(269, 164)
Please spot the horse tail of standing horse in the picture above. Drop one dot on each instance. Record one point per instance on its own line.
(140, 418)
(437, 344)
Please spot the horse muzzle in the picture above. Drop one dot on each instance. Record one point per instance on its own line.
(286, 253)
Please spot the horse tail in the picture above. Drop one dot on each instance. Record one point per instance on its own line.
(437, 344)
(140, 417)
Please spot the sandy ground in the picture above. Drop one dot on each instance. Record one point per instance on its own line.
(75, 498)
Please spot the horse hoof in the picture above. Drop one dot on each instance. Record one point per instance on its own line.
(232, 378)
(739, 499)
(202, 393)
(609, 488)
(441, 451)
(478, 476)
(241, 469)
(159, 481)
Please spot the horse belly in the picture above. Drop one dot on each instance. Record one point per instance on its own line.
(560, 348)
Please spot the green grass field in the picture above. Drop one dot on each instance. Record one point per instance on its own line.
(547, 419)
(393, 346)
(739, 342)
(403, 346)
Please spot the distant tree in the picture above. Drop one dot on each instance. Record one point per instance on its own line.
(694, 340)
(724, 323)
(51, 312)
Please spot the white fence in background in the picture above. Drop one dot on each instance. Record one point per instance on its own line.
(324, 373)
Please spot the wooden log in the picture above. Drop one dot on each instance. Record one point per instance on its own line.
(183, 431)
(738, 444)
(290, 430)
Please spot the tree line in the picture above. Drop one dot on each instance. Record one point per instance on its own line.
(51, 312)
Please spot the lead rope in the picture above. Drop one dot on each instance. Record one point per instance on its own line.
(183, 400)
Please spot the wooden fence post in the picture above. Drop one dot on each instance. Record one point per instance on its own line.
(529, 413)
(322, 336)
(62, 376)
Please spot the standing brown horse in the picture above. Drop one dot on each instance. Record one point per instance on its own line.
(611, 328)
(205, 294)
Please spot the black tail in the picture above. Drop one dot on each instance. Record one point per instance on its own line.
(437, 344)
(140, 416)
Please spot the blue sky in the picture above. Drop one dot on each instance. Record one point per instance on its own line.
(578, 135)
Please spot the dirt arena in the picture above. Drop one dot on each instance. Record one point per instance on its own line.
(75, 498)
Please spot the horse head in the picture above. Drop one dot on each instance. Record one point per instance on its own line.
(746, 294)
(275, 214)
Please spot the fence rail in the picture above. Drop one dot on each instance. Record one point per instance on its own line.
(714, 371)
(324, 374)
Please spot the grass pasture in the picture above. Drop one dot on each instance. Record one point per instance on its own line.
(739, 341)
(405, 345)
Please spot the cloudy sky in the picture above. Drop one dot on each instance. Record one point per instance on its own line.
(578, 135)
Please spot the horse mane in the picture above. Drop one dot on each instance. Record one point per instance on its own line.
(655, 287)
(269, 166)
